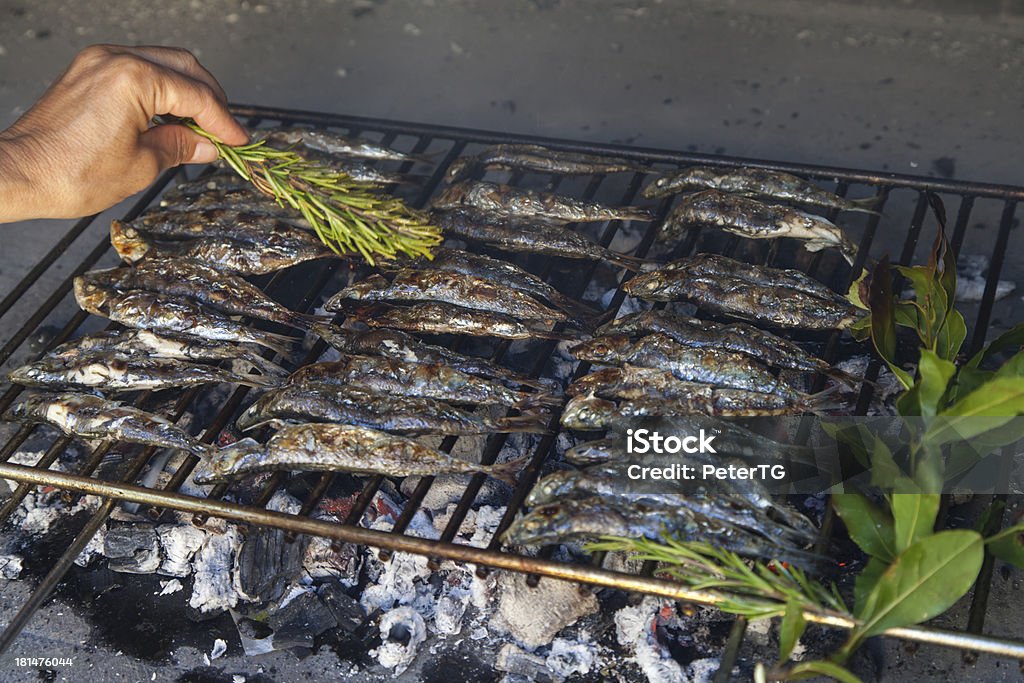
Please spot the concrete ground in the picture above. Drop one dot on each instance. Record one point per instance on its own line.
(930, 87)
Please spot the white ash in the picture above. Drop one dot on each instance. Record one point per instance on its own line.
(41, 509)
(10, 566)
(633, 630)
(704, 670)
(178, 543)
(477, 527)
(568, 657)
(220, 646)
(759, 631)
(402, 630)
(628, 237)
(449, 611)
(520, 664)
(971, 273)
(170, 586)
(214, 569)
(518, 614)
(284, 502)
(563, 365)
(402, 581)
(449, 488)
(93, 549)
(483, 590)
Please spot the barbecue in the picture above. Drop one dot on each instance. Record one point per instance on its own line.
(520, 361)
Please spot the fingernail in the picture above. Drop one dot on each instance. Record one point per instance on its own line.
(205, 153)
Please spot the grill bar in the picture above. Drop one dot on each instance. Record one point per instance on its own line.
(455, 142)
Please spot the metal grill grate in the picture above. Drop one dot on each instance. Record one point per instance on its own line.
(902, 196)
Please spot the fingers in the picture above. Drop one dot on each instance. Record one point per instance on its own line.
(171, 145)
(180, 60)
(171, 92)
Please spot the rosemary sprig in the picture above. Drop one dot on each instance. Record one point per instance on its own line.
(750, 589)
(349, 216)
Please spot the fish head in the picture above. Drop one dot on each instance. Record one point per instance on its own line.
(32, 407)
(644, 286)
(223, 462)
(539, 525)
(35, 374)
(552, 487)
(587, 412)
(601, 349)
(452, 197)
(90, 295)
(457, 169)
(128, 242)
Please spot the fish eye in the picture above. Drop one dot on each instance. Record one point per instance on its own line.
(601, 349)
(548, 511)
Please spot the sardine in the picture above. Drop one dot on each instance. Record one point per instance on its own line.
(400, 414)
(248, 198)
(756, 220)
(331, 143)
(522, 203)
(390, 376)
(133, 342)
(754, 182)
(242, 225)
(770, 296)
(205, 284)
(739, 337)
(707, 365)
(106, 371)
(653, 391)
(405, 347)
(508, 274)
(146, 310)
(541, 160)
(435, 317)
(223, 253)
(597, 451)
(528, 236)
(711, 402)
(449, 287)
(345, 448)
(224, 180)
(92, 417)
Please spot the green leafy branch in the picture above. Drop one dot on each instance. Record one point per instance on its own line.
(349, 216)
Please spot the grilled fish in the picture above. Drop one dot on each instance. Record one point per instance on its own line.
(518, 202)
(508, 274)
(146, 310)
(435, 317)
(331, 143)
(756, 220)
(450, 287)
(224, 180)
(391, 376)
(405, 347)
(132, 342)
(107, 371)
(541, 160)
(528, 236)
(92, 417)
(240, 225)
(230, 199)
(597, 451)
(223, 253)
(345, 448)
(401, 414)
(200, 282)
(754, 182)
(708, 365)
(739, 337)
(779, 298)
(653, 391)
(712, 402)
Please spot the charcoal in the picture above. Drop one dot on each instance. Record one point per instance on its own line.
(346, 610)
(132, 549)
(519, 663)
(301, 620)
(267, 563)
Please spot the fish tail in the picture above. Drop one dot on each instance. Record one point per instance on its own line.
(843, 378)
(632, 263)
(507, 472)
(574, 307)
(530, 423)
(281, 343)
(539, 402)
(258, 381)
(305, 321)
(866, 204)
(825, 401)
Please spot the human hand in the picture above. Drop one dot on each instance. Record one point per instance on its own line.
(89, 141)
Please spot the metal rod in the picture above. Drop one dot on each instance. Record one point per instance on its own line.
(583, 573)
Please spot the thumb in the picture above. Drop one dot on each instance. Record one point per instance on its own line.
(173, 145)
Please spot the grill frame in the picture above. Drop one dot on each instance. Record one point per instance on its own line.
(457, 139)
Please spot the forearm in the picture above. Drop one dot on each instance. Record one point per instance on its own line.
(19, 192)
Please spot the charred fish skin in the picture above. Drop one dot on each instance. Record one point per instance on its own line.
(526, 236)
(92, 417)
(690, 364)
(112, 372)
(434, 317)
(597, 451)
(401, 346)
(390, 376)
(754, 182)
(222, 181)
(739, 337)
(322, 447)
(332, 143)
(397, 414)
(540, 160)
(468, 291)
(223, 253)
(653, 391)
(136, 342)
(762, 295)
(200, 282)
(147, 310)
(518, 202)
(756, 220)
(240, 225)
(230, 199)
